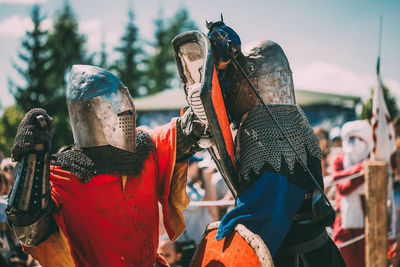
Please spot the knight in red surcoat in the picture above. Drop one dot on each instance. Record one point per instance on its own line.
(96, 203)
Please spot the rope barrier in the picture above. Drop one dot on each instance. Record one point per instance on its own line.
(330, 182)
(351, 241)
(216, 203)
(223, 203)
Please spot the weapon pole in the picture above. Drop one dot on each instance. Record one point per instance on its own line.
(378, 62)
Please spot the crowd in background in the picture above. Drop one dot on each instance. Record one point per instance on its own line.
(11, 254)
(206, 184)
(345, 150)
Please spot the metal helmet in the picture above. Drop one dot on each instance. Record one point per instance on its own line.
(101, 109)
(259, 142)
(268, 69)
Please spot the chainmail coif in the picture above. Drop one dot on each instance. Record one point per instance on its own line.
(261, 143)
(89, 162)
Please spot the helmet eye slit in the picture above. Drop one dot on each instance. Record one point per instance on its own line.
(124, 113)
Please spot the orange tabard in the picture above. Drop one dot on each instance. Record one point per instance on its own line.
(231, 251)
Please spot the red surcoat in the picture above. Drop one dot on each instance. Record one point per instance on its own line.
(112, 223)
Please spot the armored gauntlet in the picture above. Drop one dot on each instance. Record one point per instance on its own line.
(29, 204)
(191, 135)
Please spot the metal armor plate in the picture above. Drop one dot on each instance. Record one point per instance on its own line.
(30, 196)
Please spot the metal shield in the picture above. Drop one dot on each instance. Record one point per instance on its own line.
(196, 68)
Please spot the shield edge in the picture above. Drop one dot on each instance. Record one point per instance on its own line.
(254, 241)
(214, 107)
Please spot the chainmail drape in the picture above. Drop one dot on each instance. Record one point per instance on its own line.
(88, 162)
(261, 142)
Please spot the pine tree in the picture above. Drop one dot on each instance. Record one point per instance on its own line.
(159, 75)
(103, 56)
(130, 52)
(9, 122)
(180, 22)
(35, 56)
(66, 47)
(161, 66)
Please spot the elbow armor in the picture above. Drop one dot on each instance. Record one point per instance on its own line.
(29, 205)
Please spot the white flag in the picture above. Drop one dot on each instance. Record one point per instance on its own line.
(382, 127)
(384, 143)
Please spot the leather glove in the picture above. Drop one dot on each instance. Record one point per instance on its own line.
(34, 129)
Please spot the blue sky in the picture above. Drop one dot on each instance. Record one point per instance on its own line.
(331, 45)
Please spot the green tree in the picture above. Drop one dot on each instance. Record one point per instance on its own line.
(391, 104)
(66, 47)
(48, 57)
(161, 67)
(9, 122)
(35, 56)
(127, 65)
(103, 56)
(37, 91)
(180, 22)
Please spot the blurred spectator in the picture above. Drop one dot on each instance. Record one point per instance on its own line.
(394, 250)
(11, 253)
(171, 252)
(187, 249)
(396, 155)
(335, 148)
(350, 201)
(17, 262)
(396, 125)
(8, 166)
(7, 174)
(222, 191)
(324, 144)
(335, 137)
(1, 156)
(199, 187)
(5, 184)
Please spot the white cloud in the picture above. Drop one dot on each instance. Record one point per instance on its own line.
(16, 26)
(46, 24)
(331, 78)
(22, 2)
(92, 29)
(97, 33)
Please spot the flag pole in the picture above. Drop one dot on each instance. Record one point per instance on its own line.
(378, 63)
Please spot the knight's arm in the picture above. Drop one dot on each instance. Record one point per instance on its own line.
(29, 204)
(189, 131)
